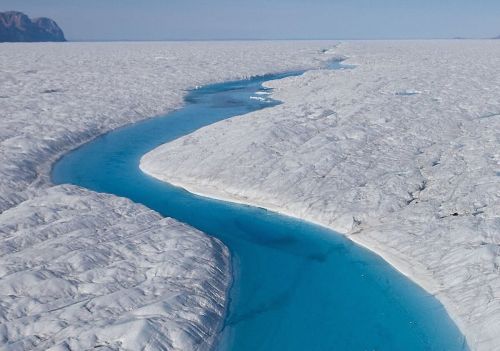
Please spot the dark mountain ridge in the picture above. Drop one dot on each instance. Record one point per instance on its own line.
(17, 27)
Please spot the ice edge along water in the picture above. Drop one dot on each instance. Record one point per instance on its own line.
(452, 253)
(411, 270)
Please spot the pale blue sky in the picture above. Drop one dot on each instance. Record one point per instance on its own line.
(266, 19)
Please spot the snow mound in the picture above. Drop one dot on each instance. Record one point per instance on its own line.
(80, 270)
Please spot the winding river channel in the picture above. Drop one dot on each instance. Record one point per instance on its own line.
(296, 286)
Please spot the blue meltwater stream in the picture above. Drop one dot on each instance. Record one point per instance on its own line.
(296, 286)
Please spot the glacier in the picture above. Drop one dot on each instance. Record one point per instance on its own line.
(400, 154)
(82, 270)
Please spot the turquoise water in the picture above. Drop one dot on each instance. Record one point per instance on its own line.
(296, 286)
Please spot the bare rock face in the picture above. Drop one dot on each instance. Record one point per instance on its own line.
(17, 27)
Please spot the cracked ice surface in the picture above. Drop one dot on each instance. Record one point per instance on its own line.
(81, 270)
(402, 154)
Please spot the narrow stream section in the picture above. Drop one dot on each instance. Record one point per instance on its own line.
(296, 286)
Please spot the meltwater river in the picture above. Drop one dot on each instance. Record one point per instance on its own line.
(296, 286)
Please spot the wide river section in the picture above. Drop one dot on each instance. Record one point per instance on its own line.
(296, 286)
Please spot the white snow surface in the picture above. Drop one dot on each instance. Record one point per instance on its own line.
(80, 270)
(401, 154)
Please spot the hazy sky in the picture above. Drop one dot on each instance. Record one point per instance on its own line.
(261, 19)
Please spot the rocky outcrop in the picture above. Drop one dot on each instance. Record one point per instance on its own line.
(17, 27)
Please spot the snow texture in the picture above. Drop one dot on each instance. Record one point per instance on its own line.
(78, 269)
(87, 276)
(401, 154)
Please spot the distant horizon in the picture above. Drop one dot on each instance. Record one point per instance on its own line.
(267, 39)
(225, 20)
